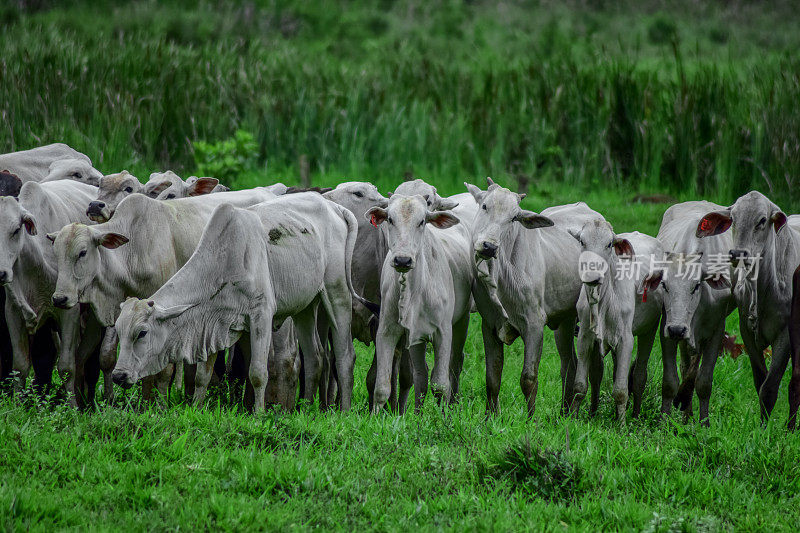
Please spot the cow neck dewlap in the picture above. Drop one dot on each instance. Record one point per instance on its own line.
(487, 276)
(201, 331)
(604, 311)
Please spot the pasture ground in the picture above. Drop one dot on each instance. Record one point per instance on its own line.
(180, 468)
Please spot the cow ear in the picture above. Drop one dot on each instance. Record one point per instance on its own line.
(441, 219)
(110, 240)
(159, 188)
(652, 281)
(714, 223)
(29, 222)
(717, 281)
(174, 311)
(532, 220)
(446, 204)
(489, 181)
(52, 236)
(202, 186)
(475, 192)
(623, 247)
(575, 234)
(522, 196)
(376, 216)
(778, 220)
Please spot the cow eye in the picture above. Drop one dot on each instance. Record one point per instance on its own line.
(483, 207)
(128, 189)
(141, 334)
(82, 253)
(77, 175)
(761, 222)
(665, 286)
(610, 244)
(389, 220)
(694, 290)
(16, 232)
(358, 194)
(421, 222)
(170, 196)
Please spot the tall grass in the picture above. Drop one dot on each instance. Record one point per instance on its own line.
(368, 93)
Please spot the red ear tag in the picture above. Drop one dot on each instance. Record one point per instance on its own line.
(644, 295)
(705, 225)
(372, 220)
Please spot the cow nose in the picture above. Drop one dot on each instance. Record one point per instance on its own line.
(3, 276)
(402, 262)
(121, 378)
(737, 255)
(677, 332)
(60, 301)
(489, 249)
(95, 208)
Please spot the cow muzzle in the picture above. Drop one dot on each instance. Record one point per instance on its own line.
(486, 250)
(6, 277)
(98, 212)
(62, 301)
(677, 332)
(123, 378)
(402, 263)
(738, 255)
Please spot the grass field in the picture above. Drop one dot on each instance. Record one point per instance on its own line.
(184, 468)
(578, 100)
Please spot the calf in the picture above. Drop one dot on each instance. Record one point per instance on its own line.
(612, 312)
(426, 281)
(28, 273)
(527, 279)
(765, 244)
(195, 187)
(50, 163)
(696, 292)
(251, 259)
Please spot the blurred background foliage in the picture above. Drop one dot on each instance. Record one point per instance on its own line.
(689, 97)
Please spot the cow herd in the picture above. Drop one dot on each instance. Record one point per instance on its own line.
(175, 281)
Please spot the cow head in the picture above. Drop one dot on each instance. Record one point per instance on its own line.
(754, 221)
(143, 334)
(428, 192)
(357, 196)
(196, 187)
(10, 184)
(16, 224)
(74, 169)
(600, 247)
(682, 277)
(113, 189)
(77, 252)
(161, 182)
(406, 218)
(499, 218)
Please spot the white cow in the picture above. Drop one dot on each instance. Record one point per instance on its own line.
(765, 251)
(28, 271)
(527, 279)
(613, 309)
(426, 282)
(52, 162)
(694, 275)
(252, 268)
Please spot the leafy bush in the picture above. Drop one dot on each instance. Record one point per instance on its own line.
(226, 160)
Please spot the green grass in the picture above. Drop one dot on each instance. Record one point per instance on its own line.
(185, 468)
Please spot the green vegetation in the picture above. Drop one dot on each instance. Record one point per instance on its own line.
(699, 99)
(572, 101)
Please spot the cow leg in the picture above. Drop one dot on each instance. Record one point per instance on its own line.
(70, 365)
(20, 343)
(163, 381)
(189, 381)
(460, 329)
(529, 380)
(418, 364)
(705, 376)
(595, 376)
(385, 344)
(306, 327)
(283, 368)
(6, 351)
(405, 379)
(344, 354)
(43, 348)
(236, 370)
(493, 350)
(260, 342)
(794, 338)
(586, 344)
(442, 354)
(623, 366)
(204, 372)
(108, 360)
(88, 359)
(777, 368)
(371, 375)
(690, 362)
(756, 355)
(565, 344)
(638, 378)
(669, 382)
